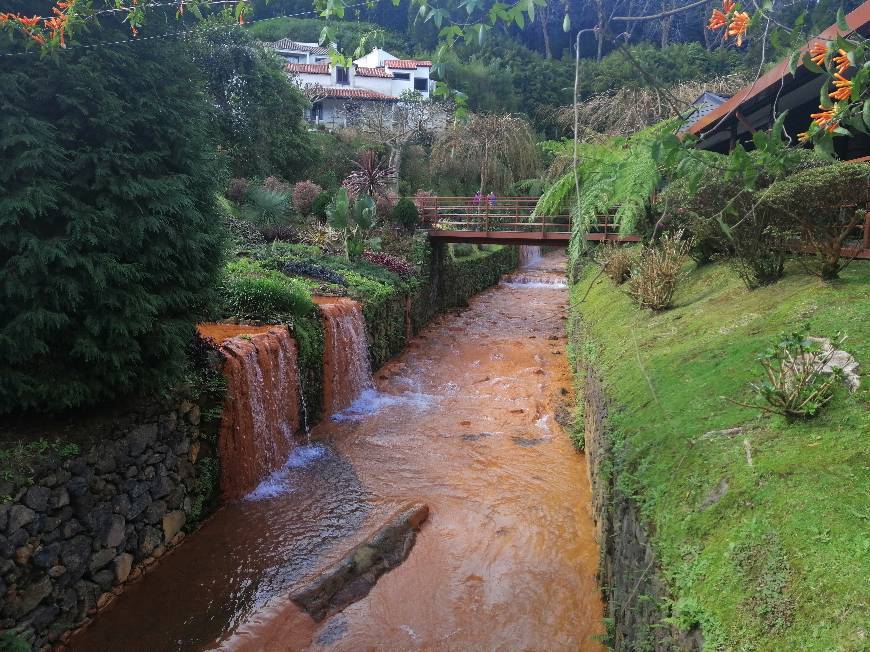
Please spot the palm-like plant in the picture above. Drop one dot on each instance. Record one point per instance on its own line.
(371, 176)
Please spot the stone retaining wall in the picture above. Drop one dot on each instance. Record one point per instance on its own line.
(635, 594)
(88, 524)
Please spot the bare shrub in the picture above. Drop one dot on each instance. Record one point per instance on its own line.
(658, 270)
(616, 261)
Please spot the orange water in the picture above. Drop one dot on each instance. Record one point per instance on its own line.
(464, 420)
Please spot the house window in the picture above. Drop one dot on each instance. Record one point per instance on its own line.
(342, 76)
(421, 84)
(402, 75)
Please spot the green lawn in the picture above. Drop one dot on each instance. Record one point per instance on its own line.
(782, 561)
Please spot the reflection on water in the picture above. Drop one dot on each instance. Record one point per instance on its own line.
(464, 421)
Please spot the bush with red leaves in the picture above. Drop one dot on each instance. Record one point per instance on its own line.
(304, 194)
(395, 264)
(274, 184)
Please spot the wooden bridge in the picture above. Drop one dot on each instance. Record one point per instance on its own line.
(506, 220)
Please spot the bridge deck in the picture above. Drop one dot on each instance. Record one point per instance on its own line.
(507, 220)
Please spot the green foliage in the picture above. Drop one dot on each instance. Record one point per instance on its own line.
(809, 199)
(109, 247)
(321, 203)
(617, 179)
(462, 250)
(19, 461)
(348, 35)
(12, 642)
(250, 290)
(405, 214)
(308, 333)
(205, 492)
(266, 207)
(794, 384)
(258, 111)
(806, 482)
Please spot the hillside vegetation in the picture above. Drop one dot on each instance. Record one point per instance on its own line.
(761, 535)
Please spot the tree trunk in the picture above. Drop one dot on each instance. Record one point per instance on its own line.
(544, 16)
(600, 25)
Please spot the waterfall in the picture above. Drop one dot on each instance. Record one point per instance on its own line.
(261, 408)
(347, 370)
(529, 255)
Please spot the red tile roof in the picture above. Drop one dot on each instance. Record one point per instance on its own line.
(356, 94)
(373, 72)
(308, 68)
(406, 64)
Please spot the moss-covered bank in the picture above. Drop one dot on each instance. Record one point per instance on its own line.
(735, 540)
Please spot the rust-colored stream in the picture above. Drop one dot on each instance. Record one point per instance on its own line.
(465, 420)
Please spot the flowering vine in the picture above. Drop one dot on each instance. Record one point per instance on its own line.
(847, 105)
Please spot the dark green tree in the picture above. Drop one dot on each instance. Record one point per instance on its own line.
(109, 244)
(258, 109)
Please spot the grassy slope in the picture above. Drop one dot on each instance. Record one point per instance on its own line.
(781, 561)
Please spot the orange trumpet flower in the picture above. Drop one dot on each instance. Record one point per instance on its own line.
(843, 86)
(727, 6)
(818, 53)
(718, 20)
(842, 62)
(739, 25)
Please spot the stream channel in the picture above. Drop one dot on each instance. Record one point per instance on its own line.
(466, 420)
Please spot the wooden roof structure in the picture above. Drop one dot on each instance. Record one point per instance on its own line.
(754, 107)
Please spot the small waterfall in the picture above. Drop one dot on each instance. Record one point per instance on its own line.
(261, 409)
(529, 255)
(347, 370)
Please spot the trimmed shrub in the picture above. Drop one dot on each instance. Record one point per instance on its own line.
(109, 246)
(405, 214)
(825, 205)
(304, 194)
(252, 291)
(657, 272)
(321, 202)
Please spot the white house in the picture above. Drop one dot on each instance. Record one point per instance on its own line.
(335, 90)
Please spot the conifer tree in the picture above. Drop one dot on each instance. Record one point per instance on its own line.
(109, 241)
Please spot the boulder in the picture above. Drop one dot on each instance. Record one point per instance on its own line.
(351, 578)
(115, 532)
(121, 567)
(37, 497)
(18, 517)
(172, 524)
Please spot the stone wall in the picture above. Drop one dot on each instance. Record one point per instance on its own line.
(81, 527)
(635, 594)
